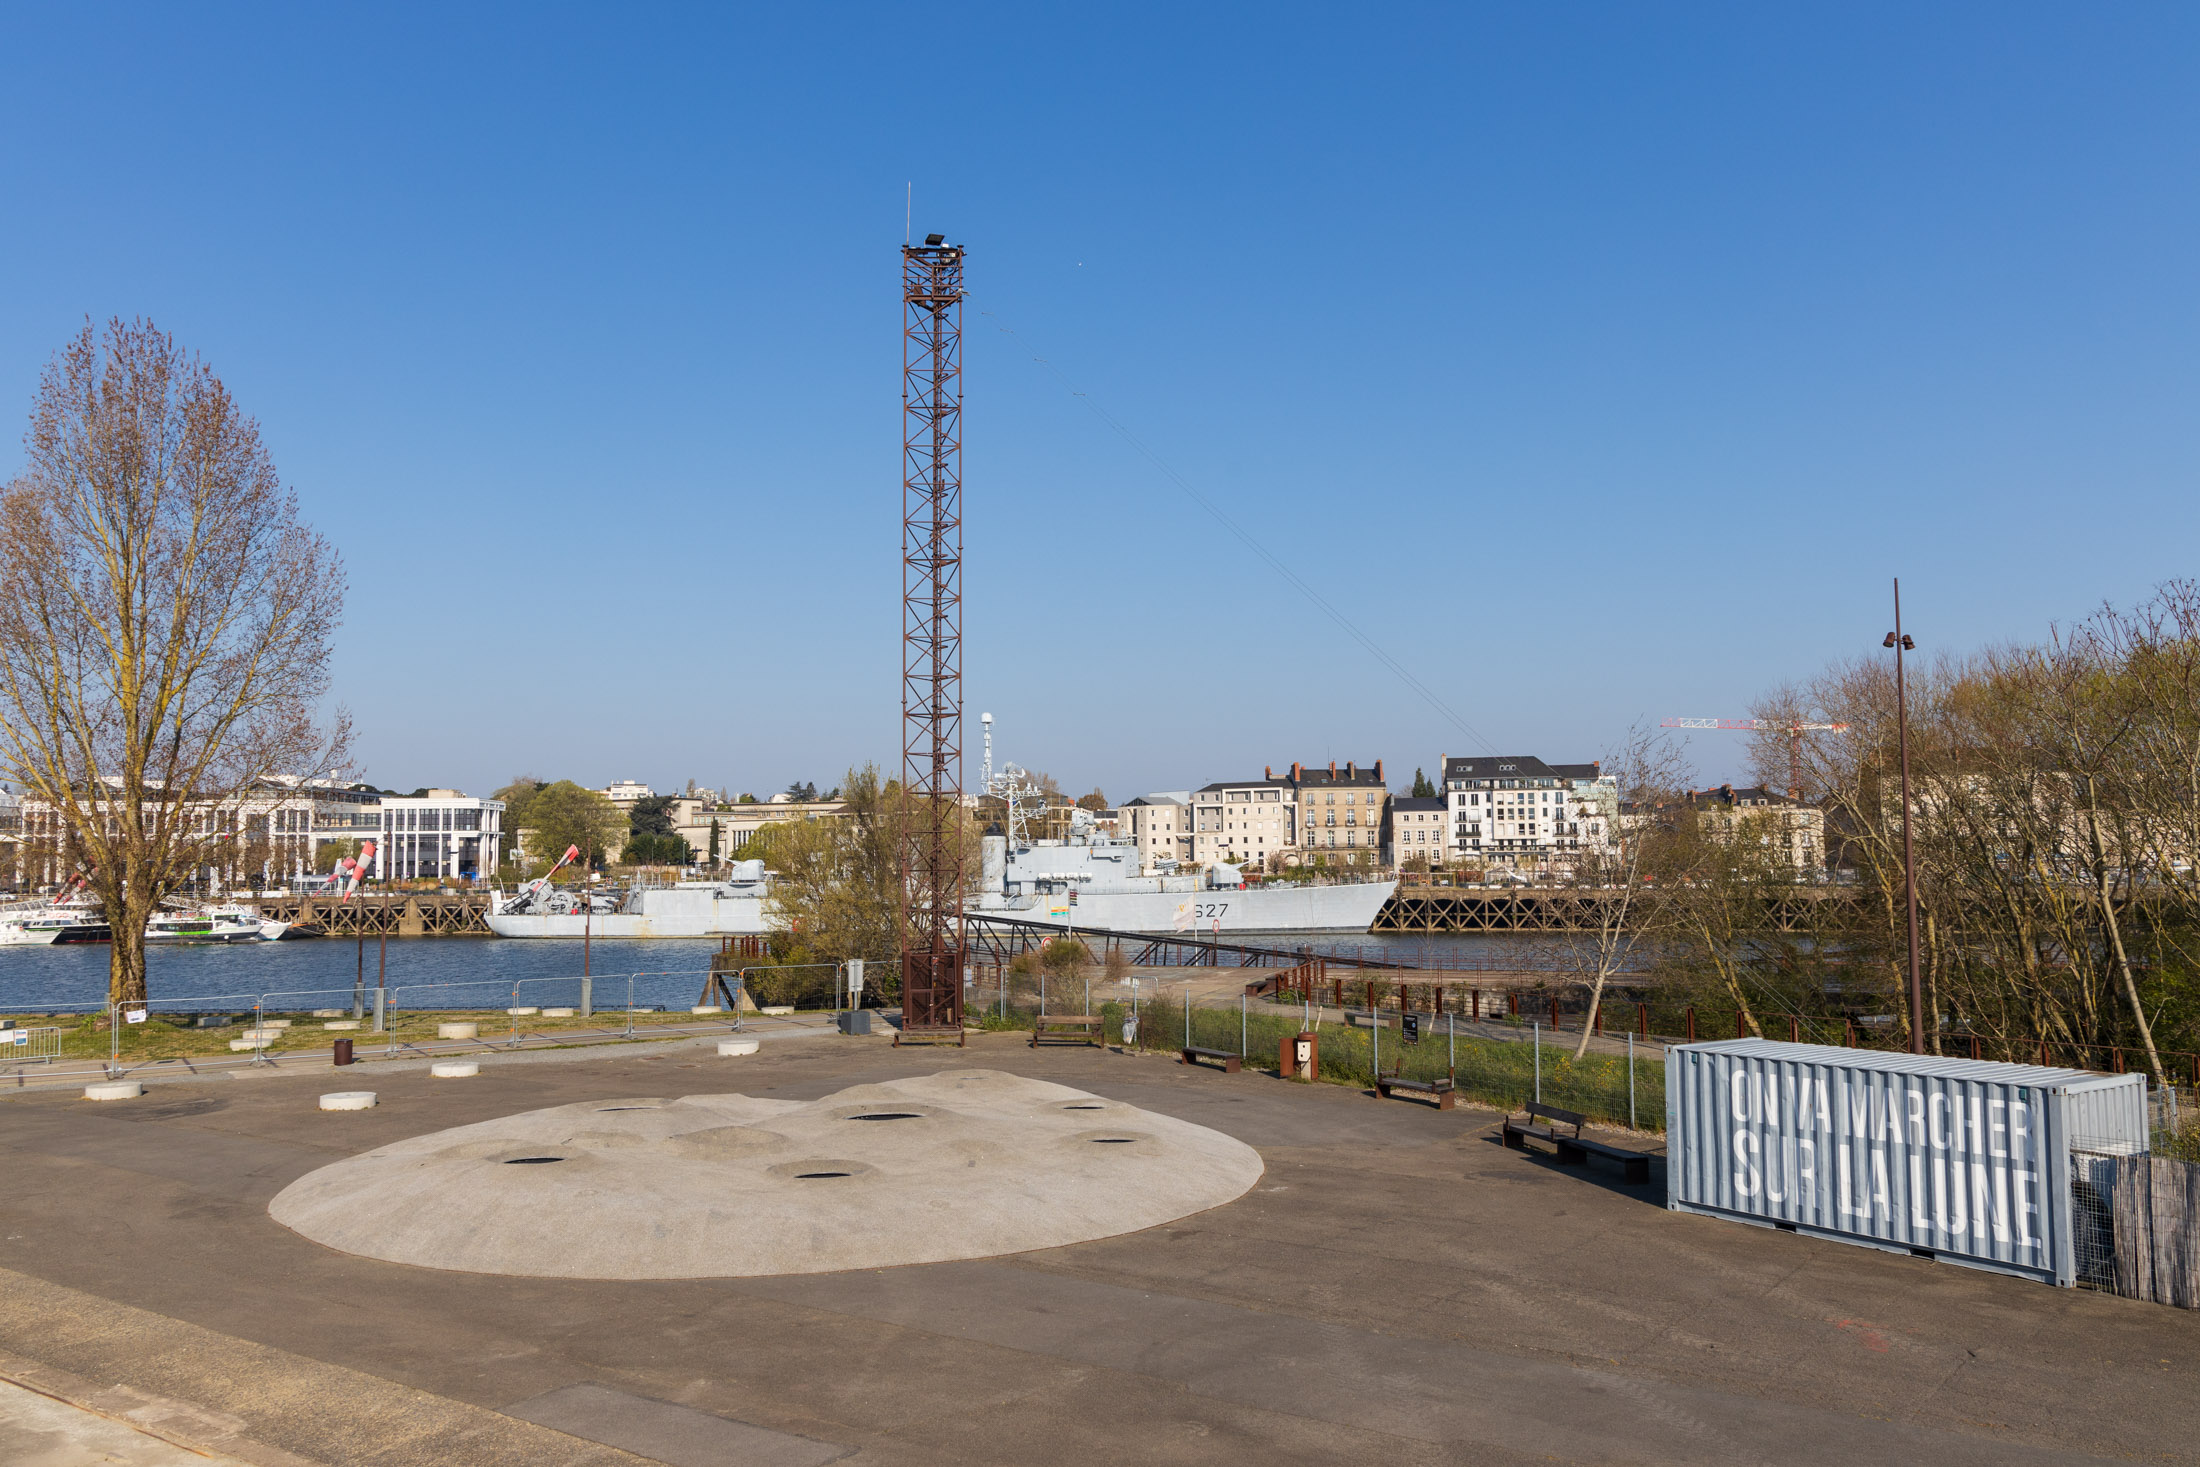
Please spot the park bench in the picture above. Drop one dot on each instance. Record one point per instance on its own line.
(1065, 1029)
(1438, 1090)
(1573, 1148)
(1517, 1131)
(1577, 1150)
(1229, 1060)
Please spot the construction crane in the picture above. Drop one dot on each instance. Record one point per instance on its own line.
(1793, 728)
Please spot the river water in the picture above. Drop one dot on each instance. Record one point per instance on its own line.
(487, 972)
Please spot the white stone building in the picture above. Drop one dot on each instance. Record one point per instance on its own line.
(1515, 811)
(443, 835)
(1243, 822)
(1160, 824)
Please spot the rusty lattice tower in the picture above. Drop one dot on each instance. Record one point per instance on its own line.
(931, 635)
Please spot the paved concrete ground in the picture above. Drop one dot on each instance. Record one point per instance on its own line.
(1397, 1288)
(40, 1431)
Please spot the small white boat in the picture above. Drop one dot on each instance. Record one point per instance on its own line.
(214, 924)
(32, 928)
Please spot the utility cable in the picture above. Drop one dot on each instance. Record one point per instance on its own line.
(1245, 538)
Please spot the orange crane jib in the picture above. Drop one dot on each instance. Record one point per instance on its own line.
(1793, 728)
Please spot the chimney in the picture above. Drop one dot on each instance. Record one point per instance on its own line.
(1378, 771)
(1294, 771)
(1351, 771)
(1332, 769)
(1268, 771)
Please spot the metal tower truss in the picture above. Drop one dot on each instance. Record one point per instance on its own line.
(931, 631)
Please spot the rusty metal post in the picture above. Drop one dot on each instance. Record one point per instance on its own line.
(1691, 1023)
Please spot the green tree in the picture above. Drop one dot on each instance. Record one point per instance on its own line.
(1423, 787)
(717, 840)
(836, 886)
(651, 815)
(516, 797)
(647, 848)
(566, 814)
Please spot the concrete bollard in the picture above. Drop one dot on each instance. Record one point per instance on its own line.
(706, 1008)
(521, 1013)
(341, 1024)
(114, 1090)
(557, 1013)
(458, 1031)
(738, 1046)
(455, 1069)
(348, 1100)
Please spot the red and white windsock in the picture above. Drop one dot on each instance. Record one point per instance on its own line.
(361, 868)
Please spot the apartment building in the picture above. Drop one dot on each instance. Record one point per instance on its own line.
(1160, 824)
(1415, 831)
(692, 820)
(1243, 822)
(1340, 810)
(1792, 830)
(1514, 810)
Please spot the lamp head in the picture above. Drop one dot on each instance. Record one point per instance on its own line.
(1890, 640)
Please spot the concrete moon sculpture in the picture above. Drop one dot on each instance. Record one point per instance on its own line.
(966, 1164)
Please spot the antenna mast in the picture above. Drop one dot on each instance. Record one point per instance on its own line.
(931, 633)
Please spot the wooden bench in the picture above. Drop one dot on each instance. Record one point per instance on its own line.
(1065, 1029)
(1193, 1055)
(1439, 1091)
(1576, 1151)
(1517, 1131)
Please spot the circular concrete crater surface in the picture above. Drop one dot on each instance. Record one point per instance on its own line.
(965, 1164)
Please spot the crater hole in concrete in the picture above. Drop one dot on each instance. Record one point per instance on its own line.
(888, 1115)
(816, 1176)
(531, 1160)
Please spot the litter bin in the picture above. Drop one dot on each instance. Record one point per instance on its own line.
(855, 1021)
(343, 1051)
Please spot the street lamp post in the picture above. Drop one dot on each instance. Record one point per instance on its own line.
(1902, 644)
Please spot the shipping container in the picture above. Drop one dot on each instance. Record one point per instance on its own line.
(1963, 1160)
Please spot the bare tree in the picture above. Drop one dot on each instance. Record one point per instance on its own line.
(1649, 771)
(164, 637)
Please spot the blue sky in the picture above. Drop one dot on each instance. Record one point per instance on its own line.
(1599, 363)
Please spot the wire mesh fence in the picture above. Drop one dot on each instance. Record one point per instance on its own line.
(1617, 1083)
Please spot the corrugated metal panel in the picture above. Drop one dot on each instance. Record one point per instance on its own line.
(1965, 1159)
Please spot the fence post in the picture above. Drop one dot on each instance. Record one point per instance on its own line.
(1795, 1031)
(114, 1040)
(1631, 1084)
(1536, 1033)
(629, 1006)
(1741, 1030)
(381, 1008)
(588, 996)
(1642, 1019)
(1691, 1023)
(1476, 996)
(1187, 1009)
(1243, 1052)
